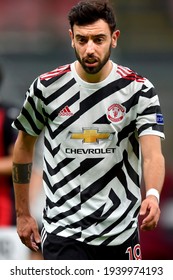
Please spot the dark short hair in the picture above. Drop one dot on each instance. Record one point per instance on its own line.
(88, 12)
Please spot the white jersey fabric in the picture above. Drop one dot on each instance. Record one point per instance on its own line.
(92, 160)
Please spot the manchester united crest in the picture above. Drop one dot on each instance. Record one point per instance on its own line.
(116, 113)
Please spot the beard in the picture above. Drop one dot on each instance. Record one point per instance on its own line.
(91, 59)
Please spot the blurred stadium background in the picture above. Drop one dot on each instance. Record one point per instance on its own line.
(34, 39)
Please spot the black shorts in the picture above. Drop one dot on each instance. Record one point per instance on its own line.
(60, 248)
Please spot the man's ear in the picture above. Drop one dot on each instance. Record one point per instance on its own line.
(115, 37)
(72, 37)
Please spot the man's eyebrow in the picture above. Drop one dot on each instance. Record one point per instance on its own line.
(80, 36)
(94, 36)
(100, 35)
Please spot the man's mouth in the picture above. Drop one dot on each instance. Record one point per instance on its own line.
(91, 62)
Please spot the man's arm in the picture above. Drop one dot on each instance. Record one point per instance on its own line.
(153, 174)
(22, 167)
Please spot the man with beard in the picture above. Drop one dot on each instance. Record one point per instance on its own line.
(98, 118)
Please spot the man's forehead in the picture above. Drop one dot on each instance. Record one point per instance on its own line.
(94, 29)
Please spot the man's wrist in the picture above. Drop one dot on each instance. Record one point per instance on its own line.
(154, 192)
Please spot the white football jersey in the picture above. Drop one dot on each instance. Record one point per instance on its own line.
(92, 160)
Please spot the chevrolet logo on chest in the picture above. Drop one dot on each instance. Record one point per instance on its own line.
(91, 136)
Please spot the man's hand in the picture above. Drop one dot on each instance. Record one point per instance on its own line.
(28, 232)
(150, 209)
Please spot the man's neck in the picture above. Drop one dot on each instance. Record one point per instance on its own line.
(94, 78)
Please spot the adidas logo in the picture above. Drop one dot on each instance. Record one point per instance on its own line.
(65, 112)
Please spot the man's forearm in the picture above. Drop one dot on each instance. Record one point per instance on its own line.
(154, 173)
(21, 174)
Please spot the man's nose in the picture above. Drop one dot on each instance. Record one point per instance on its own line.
(90, 47)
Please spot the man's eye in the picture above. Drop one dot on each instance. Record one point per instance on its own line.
(99, 40)
(82, 40)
